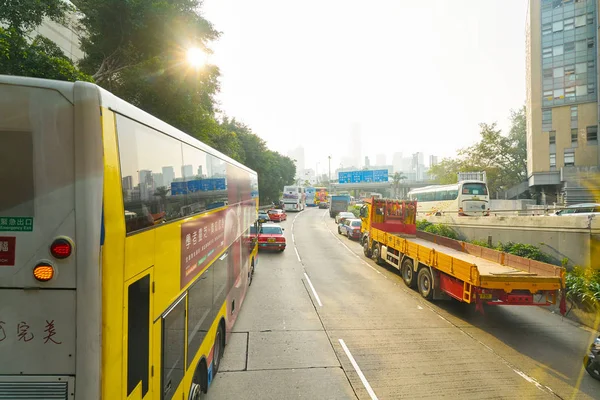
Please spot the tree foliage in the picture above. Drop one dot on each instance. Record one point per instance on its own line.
(40, 57)
(503, 157)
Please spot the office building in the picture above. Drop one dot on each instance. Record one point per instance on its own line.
(433, 160)
(297, 155)
(380, 159)
(168, 175)
(562, 99)
(367, 162)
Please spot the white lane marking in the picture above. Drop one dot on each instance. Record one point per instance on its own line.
(293, 238)
(355, 255)
(313, 290)
(297, 255)
(531, 380)
(419, 307)
(358, 371)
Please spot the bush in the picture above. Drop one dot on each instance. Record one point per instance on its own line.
(436, 229)
(354, 210)
(481, 243)
(583, 286)
(524, 250)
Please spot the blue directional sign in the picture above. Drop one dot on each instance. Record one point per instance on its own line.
(380, 175)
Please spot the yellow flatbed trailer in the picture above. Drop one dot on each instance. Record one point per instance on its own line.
(440, 267)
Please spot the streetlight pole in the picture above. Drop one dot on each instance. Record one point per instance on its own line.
(329, 176)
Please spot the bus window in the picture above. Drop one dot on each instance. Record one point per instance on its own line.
(16, 153)
(150, 163)
(475, 189)
(452, 194)
(173, 346)
(200, 302)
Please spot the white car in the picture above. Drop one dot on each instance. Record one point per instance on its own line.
(583, 209)
(342, 216)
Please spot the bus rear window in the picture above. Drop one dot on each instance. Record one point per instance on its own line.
(16, 174)
(474, 189)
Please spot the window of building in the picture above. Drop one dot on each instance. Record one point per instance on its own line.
(548, 73)
(590, 65)
(547, 29)
(569, 24)
(573, 112)
(574, 136)
(570, 91)
(580, 20)
(558, 25)
(546, 119)
(590, 43)
(552, 137)
(559, 72)
(569, 70)
(569, 157)
(581, 68)
(581, 90)
(569, 47)
(580, 45)
(548, 93)
(591, 88)
(592, 134)
(590, 19)
(559, 93)
(558, 50)
(552, 160)
(547, 52)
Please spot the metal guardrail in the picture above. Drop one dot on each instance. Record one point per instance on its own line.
(537, 211)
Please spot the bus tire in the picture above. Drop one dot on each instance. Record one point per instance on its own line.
(366, 248)
(219, 347)
(408, 273)
(425, 283)
(199, 380)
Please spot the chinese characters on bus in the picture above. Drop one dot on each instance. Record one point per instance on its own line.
(24, 333)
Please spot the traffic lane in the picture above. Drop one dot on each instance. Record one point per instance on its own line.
(542, 345)
(278, 348)
(401, 346)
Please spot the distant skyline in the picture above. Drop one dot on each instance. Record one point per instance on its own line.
(416, 76)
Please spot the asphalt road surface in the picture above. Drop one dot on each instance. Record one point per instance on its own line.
(322, 322)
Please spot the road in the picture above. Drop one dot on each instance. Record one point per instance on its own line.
(322, 322)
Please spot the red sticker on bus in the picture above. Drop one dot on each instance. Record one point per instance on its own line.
(8, 247)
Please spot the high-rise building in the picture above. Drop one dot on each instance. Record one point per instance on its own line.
(418, 166)
(127, 182)
(380, 159)
(187, 171)
(158, 179)
(367, 162)
(433, 160)
(397, 161)
(355, 146)
(199, 174)
(562, 98)
(168, 175)
(146, 184)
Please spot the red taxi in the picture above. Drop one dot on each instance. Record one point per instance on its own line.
(277, 215)
(270, 237)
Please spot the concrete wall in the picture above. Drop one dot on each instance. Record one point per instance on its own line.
(574, 238)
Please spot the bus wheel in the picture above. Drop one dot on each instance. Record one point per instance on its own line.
(366, 248)
(195, 392)
(199, 381)
(425, 283)
(218, 352)
(408, 273)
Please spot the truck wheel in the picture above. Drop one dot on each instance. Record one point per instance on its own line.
(339, 230)
(377, 254)
(425, 283)
(366, 248)
(408, 273)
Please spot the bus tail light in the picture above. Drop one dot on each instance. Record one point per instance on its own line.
(61, 248)
(43, 272)
(461, 212)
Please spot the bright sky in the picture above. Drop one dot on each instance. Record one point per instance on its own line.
(415, 75)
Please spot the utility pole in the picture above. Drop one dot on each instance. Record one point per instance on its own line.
(329, 176)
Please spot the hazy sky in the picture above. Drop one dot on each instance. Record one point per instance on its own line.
(414, 75)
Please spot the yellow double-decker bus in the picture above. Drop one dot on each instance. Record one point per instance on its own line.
(125, 248)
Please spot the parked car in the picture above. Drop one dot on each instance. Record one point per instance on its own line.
(583, 209)
(350, 227)
(323, 204)
(591, 362)
(263, 217)
(270, 237)
(277, 215)
(341, 217)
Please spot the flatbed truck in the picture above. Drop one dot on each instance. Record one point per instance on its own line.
(442, 268)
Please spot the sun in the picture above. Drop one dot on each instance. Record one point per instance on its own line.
(196, 57)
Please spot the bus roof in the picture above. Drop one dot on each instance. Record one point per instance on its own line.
(436, 188)
(119, 106)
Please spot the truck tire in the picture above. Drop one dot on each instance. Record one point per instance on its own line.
(367, 248)
(377, 254)
(425, 283)
(408, 273)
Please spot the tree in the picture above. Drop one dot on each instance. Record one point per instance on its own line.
(126, 34)
(502, 157)
(396, 179)
(40, 57)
